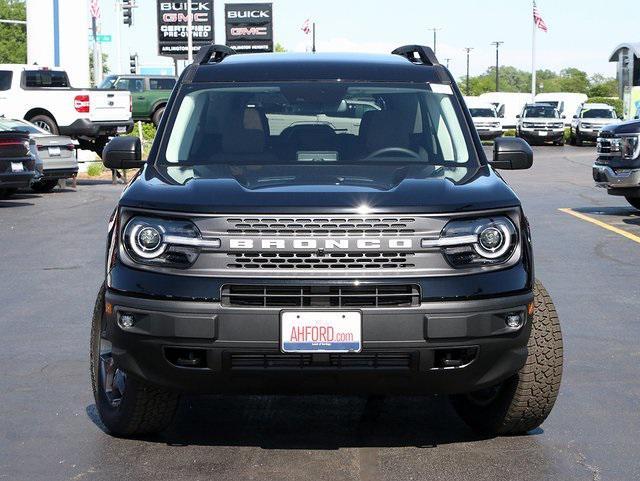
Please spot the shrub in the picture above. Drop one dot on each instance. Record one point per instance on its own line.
(95, 169)
(509, 133)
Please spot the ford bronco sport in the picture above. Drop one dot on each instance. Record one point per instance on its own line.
(267, 247)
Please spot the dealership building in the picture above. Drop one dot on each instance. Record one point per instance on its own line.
(627, 56)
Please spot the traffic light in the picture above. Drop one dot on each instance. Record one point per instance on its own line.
(127, 14)
(133, 63)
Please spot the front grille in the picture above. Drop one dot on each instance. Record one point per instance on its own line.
(329, 260)
(364, 360)
(321, 226)
(391, 295)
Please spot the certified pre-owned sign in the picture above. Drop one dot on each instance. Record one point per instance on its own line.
(172, 26)
(249, 26)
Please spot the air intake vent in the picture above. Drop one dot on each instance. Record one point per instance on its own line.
(320, 296)
(375, 360)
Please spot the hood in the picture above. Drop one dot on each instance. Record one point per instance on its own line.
(628, 127)
(320, 189)
(486, 120)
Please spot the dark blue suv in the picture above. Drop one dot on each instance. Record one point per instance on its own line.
(311, 223)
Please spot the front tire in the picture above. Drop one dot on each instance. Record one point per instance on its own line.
(579, 141)
(46, 123)
(127, 405)
(634, 201)
(157, 116)
(524, 401)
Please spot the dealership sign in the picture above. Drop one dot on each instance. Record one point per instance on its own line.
(172, 26)
(249, 26)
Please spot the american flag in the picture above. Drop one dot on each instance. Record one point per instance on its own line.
(94, 8)
(305, 27)
(537, 18)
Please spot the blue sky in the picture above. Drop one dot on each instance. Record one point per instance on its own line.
(582, 33)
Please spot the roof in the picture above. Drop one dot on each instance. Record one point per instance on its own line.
(317, 66)
(632, 46)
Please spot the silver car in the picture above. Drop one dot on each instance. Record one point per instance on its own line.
(58, 154)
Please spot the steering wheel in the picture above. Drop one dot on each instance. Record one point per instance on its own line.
(393, 150)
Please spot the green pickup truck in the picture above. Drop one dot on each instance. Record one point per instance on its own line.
(149, 93)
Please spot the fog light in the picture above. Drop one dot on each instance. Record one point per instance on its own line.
(514, 321)
(126, 321)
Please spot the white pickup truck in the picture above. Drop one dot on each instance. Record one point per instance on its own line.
(44, 97)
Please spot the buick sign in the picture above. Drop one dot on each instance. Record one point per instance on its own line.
(249, 26)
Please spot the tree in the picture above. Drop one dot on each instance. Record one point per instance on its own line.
(601, 86)
(105, 67)
(279, 48)
(13, 37)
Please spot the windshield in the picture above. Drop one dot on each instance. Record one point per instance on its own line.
(20, 126)
(108, 82)
(482, 112)
(541, 111)
(317, 123)
(598, 114)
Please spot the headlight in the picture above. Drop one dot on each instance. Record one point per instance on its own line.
(163, 242)
(485, 241)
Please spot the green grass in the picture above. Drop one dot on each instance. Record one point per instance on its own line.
(95, 169)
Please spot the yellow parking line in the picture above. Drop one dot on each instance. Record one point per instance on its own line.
(604, 225)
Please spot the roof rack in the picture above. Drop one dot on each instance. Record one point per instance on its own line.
(213, 53)
(417, 54)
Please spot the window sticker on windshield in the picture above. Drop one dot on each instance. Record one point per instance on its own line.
(441, 89)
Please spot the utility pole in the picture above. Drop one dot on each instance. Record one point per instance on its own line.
(447, 60)
(189, 33)
(313, 45)
(435, 37)
(497, 44)
(468, 50)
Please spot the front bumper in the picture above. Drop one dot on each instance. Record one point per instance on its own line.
(239, 347)
(88, 128)
(619, 178)
(51, 174)
(542, 135)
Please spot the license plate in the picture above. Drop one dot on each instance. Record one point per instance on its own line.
(121, 130)
(17, 167)
(54, 151)
(321, 331)
(542, 134)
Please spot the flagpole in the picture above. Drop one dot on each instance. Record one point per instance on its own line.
(533, 58)
(313, 48)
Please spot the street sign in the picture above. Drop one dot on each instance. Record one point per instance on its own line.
(172, 27)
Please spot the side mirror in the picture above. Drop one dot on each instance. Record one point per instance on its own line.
(563, 116)
(123, 153)
(518, 116)
(511, 153)
(575, 116)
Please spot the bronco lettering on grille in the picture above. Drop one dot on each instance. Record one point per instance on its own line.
(326, 244)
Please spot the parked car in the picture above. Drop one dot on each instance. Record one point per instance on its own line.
(617, 167)
(57, 152)
(485, 119)
(391, 260)
(149, 93)
(508, 106)
(44, 97)
(541, 123)
(567, 103)
(589, 120)
(17, 162)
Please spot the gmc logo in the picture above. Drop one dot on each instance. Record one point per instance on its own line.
(248, 14)
(183, 17)
(248, 31)
(315, 244)
(182, 6)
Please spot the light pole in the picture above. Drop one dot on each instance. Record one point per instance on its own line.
(447, 60)
(468, 50)
(435, 37)
(497, 44)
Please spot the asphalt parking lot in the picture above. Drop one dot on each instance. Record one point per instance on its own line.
(51, 258)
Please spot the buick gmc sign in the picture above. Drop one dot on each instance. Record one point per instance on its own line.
(172, 26)
(249, 26)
